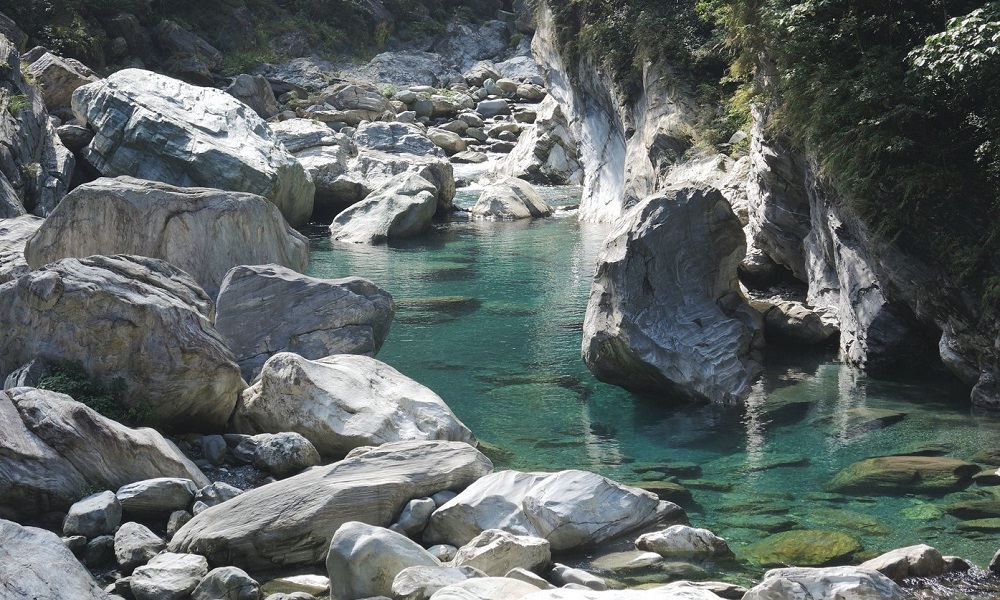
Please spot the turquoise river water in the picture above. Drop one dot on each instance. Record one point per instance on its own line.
(489, 316)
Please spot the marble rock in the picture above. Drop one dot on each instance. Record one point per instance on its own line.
(510, 198)
(34, 563)
(364, 560)
(845, 583)
(495, 552)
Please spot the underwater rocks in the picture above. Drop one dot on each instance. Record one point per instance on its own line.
(894, 475)
(806, 548)
(666, 313)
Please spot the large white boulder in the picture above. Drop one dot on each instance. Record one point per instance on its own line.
(154, 127)
(291, 522)
(545, 153)
(34, 563)
(364, 560)
(51, 447)
(510, 198)
(680, 590)
(344, 401)
(401, 207)
(291, 312)
(570, 509)
(168, 576)
(495, 552)
(913, 561)
(843, 583)
(204, 232)
(131, 318)
(485, 588)
(420, 583)
(666, 313)
(683, 541)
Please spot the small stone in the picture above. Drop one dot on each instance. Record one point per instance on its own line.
(214, 448)
(75, 543)
(443, 552)
(177, 519)
(563, 576)
(199, 507)
(415, 515)
(135, 544)
(443, 497)
(99, 551)
(522, 574)
(94, 515)
(216, 493)
(227, 583)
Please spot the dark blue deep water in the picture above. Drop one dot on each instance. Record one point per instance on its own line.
(489, 316)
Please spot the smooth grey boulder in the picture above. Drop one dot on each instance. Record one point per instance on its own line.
(324, 153)
(415, 515)
(397, 138)
(401, 207)
(420, 583)
(792, 322)
(846, 583)
(168, 576)
(255, 92)
(51, 447)
(449, 141)
(545, 153)
(493, 108)
(510, 198)
(486, 588)
(364, 560)
(156, 497)
(913, 561)
(480, 72)
(35, 167)
(373, 168)
(97, 514)
(216, 493)
(360, 102)
(99, 552)
(495, 552)
(344, 401)
(14, 235)
(295, 313)
(666, 313)
(153, 127)
(562, 575)
(35, 564)
(204, 232)
(281, 454)
(570, 509)
(227, 583)
(297, 135)
(189, 57)
(683, 541)
(59, 77)
(135, 544)
(129, 317)
(290, 522)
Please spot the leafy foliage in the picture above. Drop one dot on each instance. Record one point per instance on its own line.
(71, 379)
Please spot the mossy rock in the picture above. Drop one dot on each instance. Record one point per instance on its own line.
(667, 490)
(856, 522)
(895, 475)
(498, 455)
(709, 484)
(987, 457)
(976, 509)
(766, 523)
(803, 548)
(980, 525)
(857, 421)
(678, 469)
(922, 512)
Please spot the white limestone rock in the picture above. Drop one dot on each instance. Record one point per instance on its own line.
(168, 576)
(135, 545)
(227, 583)
(291, 312)
(204, 232)
(401, 207)
(913, 561)
(344, 401)
(485, 588)
(545, 153)
(364, 560)
(683, 541)
(14, 235)
(570, 509)
(666, 313)
(420, 583)
(495, 552)
(154, 127)
(34, 563)
(290, 522)
(510, 198)
(129, 317)
(51, 447)
(844, 583)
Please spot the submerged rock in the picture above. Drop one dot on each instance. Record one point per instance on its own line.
(805, 548)
(897, 475)
(666, 313)
(291, 522)
(344, 401)
(571, 509)
(153, 127)
(131, 318)
(204, 232)
(295, 313)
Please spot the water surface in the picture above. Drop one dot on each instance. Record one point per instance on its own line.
(489, 316)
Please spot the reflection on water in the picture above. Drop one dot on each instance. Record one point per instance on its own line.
(489, 316)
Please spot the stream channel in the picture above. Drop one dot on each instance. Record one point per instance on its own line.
(489, 316)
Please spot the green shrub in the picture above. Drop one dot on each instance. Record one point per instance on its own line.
(72, 379)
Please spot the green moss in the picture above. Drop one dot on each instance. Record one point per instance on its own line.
(111, 401)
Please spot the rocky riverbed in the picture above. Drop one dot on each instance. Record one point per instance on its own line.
(148, 251)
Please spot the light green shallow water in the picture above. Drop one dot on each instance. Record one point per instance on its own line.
(489, 316)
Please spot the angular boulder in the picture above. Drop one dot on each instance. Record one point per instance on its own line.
(255, 92)
(59, 77)
(227, 583)
(396, 138)
(189, 57)
(364, 560)
(168, 576)
(402, 207)
(666, 314)
(913, 561)
(34, 563)
(683, 541)
(156, 497)
(571, 509)
(291, 522)
(295, 313)
(324, 153)
(129, 317)
(545, 153)
(897, 475)
(153, 127)
(843, 583)
(14, 235)
(495, 552)
(204, 232)
(97, 514)
(510, 198)
(344, 401)
(51, 447)
(420, 583)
